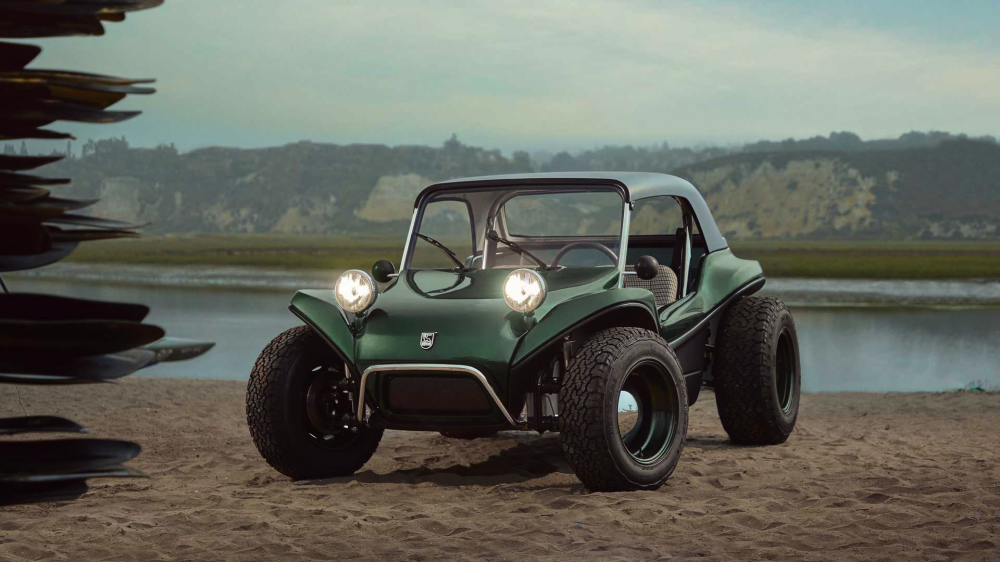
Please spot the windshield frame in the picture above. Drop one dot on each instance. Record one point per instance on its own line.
(513, 190)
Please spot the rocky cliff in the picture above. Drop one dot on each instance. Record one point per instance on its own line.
(948, 191)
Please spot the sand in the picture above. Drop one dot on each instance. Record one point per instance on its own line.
(864, 477)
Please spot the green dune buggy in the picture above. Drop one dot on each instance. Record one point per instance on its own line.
(596, 305)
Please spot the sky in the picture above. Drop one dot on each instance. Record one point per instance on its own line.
(553, 75)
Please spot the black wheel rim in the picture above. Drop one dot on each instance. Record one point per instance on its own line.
(323, 407)
(784, 375)
(648, 432)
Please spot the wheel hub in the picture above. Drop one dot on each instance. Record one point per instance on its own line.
(648, 428)
(784, 379)
(328, 404)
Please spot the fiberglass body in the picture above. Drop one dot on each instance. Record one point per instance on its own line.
(474, 334)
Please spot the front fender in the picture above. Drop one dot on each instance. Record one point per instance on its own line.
(574, 312)
(319, 310)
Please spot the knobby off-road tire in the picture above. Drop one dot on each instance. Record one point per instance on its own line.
(588, 411)
(757, 373)
(277, 416)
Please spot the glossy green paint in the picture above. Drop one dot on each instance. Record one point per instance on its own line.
(319, 309)
(475, 327)
(722, 273)
(572, 312)
(473, 324)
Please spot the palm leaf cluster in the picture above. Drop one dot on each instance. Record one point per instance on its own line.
(46, 339)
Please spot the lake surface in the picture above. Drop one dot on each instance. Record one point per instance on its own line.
(843, 348)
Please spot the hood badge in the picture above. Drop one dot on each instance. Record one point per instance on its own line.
(427, 339)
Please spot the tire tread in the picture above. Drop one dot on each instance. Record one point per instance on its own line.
(581, 422)
(265, 408)
(744, 364)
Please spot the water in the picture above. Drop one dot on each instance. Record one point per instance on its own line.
(792, 290)
(869, 292)
(240, 322)
(843, 348)
(897, 349)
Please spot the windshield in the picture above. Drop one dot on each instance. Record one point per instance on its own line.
(518, 227)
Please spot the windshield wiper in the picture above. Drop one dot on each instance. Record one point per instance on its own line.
(443, 248)
(492, 235)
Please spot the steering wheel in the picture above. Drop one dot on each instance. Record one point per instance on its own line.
(595, 245)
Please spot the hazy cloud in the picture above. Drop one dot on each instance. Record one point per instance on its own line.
(527, 74)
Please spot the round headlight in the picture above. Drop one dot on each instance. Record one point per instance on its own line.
(523, 290)
(355, 290)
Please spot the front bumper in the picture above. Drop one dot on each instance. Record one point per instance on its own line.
(430, 396)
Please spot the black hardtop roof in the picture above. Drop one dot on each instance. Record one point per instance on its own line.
(637, 186)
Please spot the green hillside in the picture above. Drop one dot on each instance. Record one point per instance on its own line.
(920, 186)
(302, 187)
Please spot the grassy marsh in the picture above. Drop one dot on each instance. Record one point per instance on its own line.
(779, 258)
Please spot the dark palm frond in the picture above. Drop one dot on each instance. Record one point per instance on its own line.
(73, 338)
(102, 368)
(85, 234)
(63, 456)
(21, 194)
(49, 380)
(13, 179)
(39, 307)
(27, 243)
(39, 424)
(34, 488)
(22, 25)
(20, 492)
(40, 113)
(36, 97)
(80, 7)
(42, 209)
(68, 78)
(92, 222)
(19, 163)
(177, 349)
(58, 340)
(54, 252)
(115, 471)
(15, 56)
(23, 19)
(18, 238)
(11, 133)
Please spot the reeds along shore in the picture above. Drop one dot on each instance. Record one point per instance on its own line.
(862, 259)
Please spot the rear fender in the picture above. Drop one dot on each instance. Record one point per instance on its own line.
(319, 311)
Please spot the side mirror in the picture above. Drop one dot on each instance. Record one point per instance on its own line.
(383, 271)
(646, 267)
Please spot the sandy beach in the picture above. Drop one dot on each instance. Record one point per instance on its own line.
(864, 477)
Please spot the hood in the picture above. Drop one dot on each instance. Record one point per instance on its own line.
(466, 312)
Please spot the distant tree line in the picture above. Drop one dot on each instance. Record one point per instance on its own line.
(9, 150)
(658, 158)
(655, 158)
(846, 141)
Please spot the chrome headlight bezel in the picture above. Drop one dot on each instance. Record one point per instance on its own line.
(364, 302)
(531, 302)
